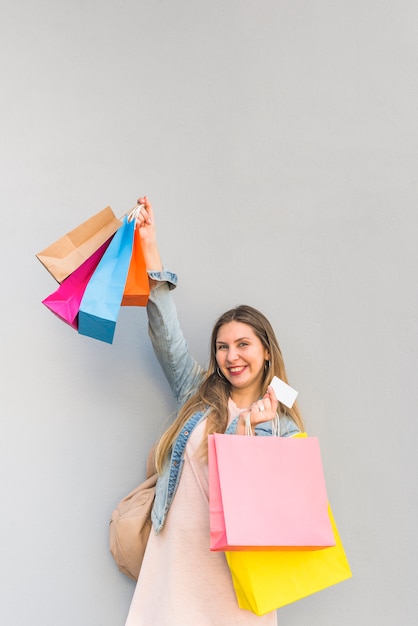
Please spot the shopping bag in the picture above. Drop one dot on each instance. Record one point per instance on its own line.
(266, 581)
(137, 288)
(267, 493)
(65, 301)
(100, 305)
(70, 251)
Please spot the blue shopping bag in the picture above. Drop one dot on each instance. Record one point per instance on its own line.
(99, 308)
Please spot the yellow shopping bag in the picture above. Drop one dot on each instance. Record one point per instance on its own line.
(265, 581)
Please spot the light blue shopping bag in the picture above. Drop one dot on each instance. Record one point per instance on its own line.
(99, 308)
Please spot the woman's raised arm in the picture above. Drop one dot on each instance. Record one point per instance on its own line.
(182, 371)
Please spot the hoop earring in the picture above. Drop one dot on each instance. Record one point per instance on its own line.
(267, 365)
(218, 371)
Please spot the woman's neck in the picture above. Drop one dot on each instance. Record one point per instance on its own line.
(243, 398)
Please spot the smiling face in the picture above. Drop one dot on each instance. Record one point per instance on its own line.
(241, 358)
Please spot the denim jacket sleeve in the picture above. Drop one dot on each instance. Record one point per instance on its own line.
(182, 371)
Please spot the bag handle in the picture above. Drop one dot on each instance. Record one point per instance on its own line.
(132, 214)
(275, 426)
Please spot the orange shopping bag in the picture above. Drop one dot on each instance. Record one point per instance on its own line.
(137, 288)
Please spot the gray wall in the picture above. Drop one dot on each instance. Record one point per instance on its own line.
(278, 143)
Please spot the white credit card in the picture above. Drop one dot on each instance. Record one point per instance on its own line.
(284, 392)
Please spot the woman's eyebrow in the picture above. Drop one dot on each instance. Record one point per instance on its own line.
(224, 343)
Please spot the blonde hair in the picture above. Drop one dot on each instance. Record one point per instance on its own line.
(214, 391)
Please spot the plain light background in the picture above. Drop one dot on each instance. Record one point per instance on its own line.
(277, 140)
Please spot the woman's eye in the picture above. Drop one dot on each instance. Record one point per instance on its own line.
(243, 344)
(221, 348)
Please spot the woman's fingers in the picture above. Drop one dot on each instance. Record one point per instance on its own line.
(145, 215)
(264, 410)
(261, 412)
(274, 403)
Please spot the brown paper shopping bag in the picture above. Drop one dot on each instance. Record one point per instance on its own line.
(70, 251)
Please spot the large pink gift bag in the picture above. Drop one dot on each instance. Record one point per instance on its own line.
(267, 493)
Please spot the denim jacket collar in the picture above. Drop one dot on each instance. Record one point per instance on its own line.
(169, 479)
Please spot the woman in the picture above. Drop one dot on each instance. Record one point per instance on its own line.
(183, 583)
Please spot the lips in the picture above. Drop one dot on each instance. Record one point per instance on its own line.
(235, 371)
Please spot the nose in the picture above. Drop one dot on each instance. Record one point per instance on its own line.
(232, 354)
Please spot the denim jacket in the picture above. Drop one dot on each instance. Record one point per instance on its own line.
(184, 375)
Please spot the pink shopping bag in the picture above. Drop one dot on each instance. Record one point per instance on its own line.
(267, 493)
(65, 301)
